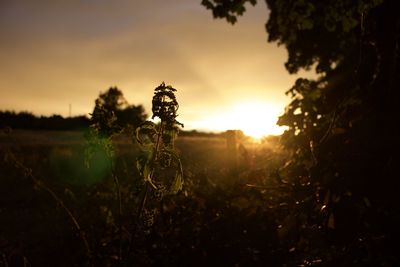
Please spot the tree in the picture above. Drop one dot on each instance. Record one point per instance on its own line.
(112, 112)
(113, 99)
(342, 127)
(131, 115)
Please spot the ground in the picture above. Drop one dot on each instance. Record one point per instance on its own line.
(227, 213)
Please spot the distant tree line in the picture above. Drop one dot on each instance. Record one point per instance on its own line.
(109, 106)
(111, 102)
(27, 120)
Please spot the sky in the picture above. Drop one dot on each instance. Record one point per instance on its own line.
(57, 53)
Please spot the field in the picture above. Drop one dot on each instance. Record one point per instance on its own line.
(228, 212)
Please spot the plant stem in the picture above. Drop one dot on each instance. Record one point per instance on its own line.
(158, 143)
(143, 200)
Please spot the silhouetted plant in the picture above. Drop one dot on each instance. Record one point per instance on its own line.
(159, 164)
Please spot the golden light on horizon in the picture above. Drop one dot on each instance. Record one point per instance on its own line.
(54, 65)
(255, 119)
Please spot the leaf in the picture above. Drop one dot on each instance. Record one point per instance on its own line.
(143, 164)
(177, 184)
(146, 171)
(145, 133)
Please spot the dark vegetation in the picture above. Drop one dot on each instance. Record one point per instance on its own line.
(27, 120)
(112, 101)
(343, 127)
(328, 197)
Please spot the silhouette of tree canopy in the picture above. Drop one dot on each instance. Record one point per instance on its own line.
(113, 99)
(112, 111)
(133, 115)
(343, 127)
(26, 120)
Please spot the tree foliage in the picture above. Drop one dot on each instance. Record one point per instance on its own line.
(228, 9)
(112, 112)
(343, 126)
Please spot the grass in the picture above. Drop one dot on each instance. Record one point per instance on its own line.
(216, 217)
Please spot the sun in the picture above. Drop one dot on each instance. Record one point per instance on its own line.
(255, 119)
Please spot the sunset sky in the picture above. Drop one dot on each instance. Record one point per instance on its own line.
(59, 52)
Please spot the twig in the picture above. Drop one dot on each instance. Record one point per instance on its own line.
(28, 173)
(143, 201)
(119, 199)
(328, 131)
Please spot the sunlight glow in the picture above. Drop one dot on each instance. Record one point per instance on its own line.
(255, 119)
